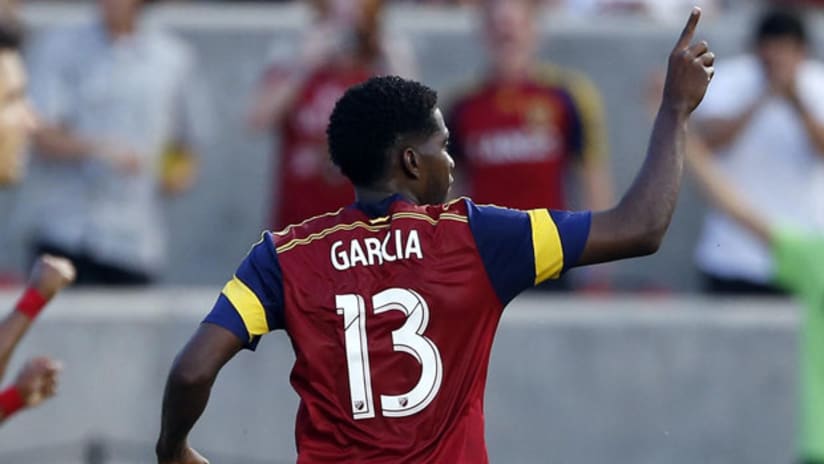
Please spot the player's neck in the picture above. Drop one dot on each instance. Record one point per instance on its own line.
(376, 194)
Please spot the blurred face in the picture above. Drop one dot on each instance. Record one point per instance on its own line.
(16, 117)
(509, 33)
(781, 56)
(436, 165)
(119, 13)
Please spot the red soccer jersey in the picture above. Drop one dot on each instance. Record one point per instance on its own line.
(391, 309)
(515, 140)
(313, 183)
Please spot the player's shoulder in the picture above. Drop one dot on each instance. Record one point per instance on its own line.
(315, 225)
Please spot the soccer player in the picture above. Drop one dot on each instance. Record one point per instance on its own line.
(525, 127)
(392, 303)
(37, 381)
(799, 268)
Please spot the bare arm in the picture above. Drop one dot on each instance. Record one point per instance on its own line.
(12, 330)
(188, 388)
(272, 99)
(720, 132)
(48, 277)
(59, 143)
(814, 129)
(636, 226)
(722, 195)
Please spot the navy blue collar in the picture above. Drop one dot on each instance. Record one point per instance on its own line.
(380, 208)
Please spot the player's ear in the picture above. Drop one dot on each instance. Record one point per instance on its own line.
(411, 163)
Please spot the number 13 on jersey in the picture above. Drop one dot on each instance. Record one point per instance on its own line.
(408, 338)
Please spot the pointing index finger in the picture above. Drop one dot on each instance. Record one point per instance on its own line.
(689, 29)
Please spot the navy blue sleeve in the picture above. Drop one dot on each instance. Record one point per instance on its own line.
(251, 303)
(521, 249)
(503, 238)
(573, 227)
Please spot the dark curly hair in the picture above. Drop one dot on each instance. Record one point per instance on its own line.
(371, 118)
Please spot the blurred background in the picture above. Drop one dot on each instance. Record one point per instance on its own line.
(173, 132)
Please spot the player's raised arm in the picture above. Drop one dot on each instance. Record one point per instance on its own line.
(636, 226)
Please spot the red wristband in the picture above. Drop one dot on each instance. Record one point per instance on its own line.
(31, 303)
(11, 401)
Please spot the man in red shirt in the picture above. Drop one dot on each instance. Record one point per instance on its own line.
(344, 46)
(392, 303)
(520, 131)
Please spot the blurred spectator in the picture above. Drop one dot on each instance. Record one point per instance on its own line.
(799, 268)
(116, 132)
(9, 11)
(17, 120)
(344, 46)
(519, 133)
(763, 120)
(37, 381)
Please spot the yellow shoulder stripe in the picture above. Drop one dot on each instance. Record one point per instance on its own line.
(248, 306)
(546, 245)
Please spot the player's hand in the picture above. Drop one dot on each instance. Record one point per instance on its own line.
(37, 381)
(51, 274)
(690, 69)
(187, 456)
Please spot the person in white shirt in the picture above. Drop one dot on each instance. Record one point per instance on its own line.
(763, 122)
(117, 131)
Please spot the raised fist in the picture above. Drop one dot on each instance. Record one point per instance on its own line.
(51, 274)
(37, 380)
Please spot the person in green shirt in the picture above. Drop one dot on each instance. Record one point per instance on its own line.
(799, 267)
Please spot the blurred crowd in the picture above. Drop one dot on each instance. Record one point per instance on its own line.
(115, 134)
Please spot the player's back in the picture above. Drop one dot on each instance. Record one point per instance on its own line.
(392, 308)
(391, 315)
